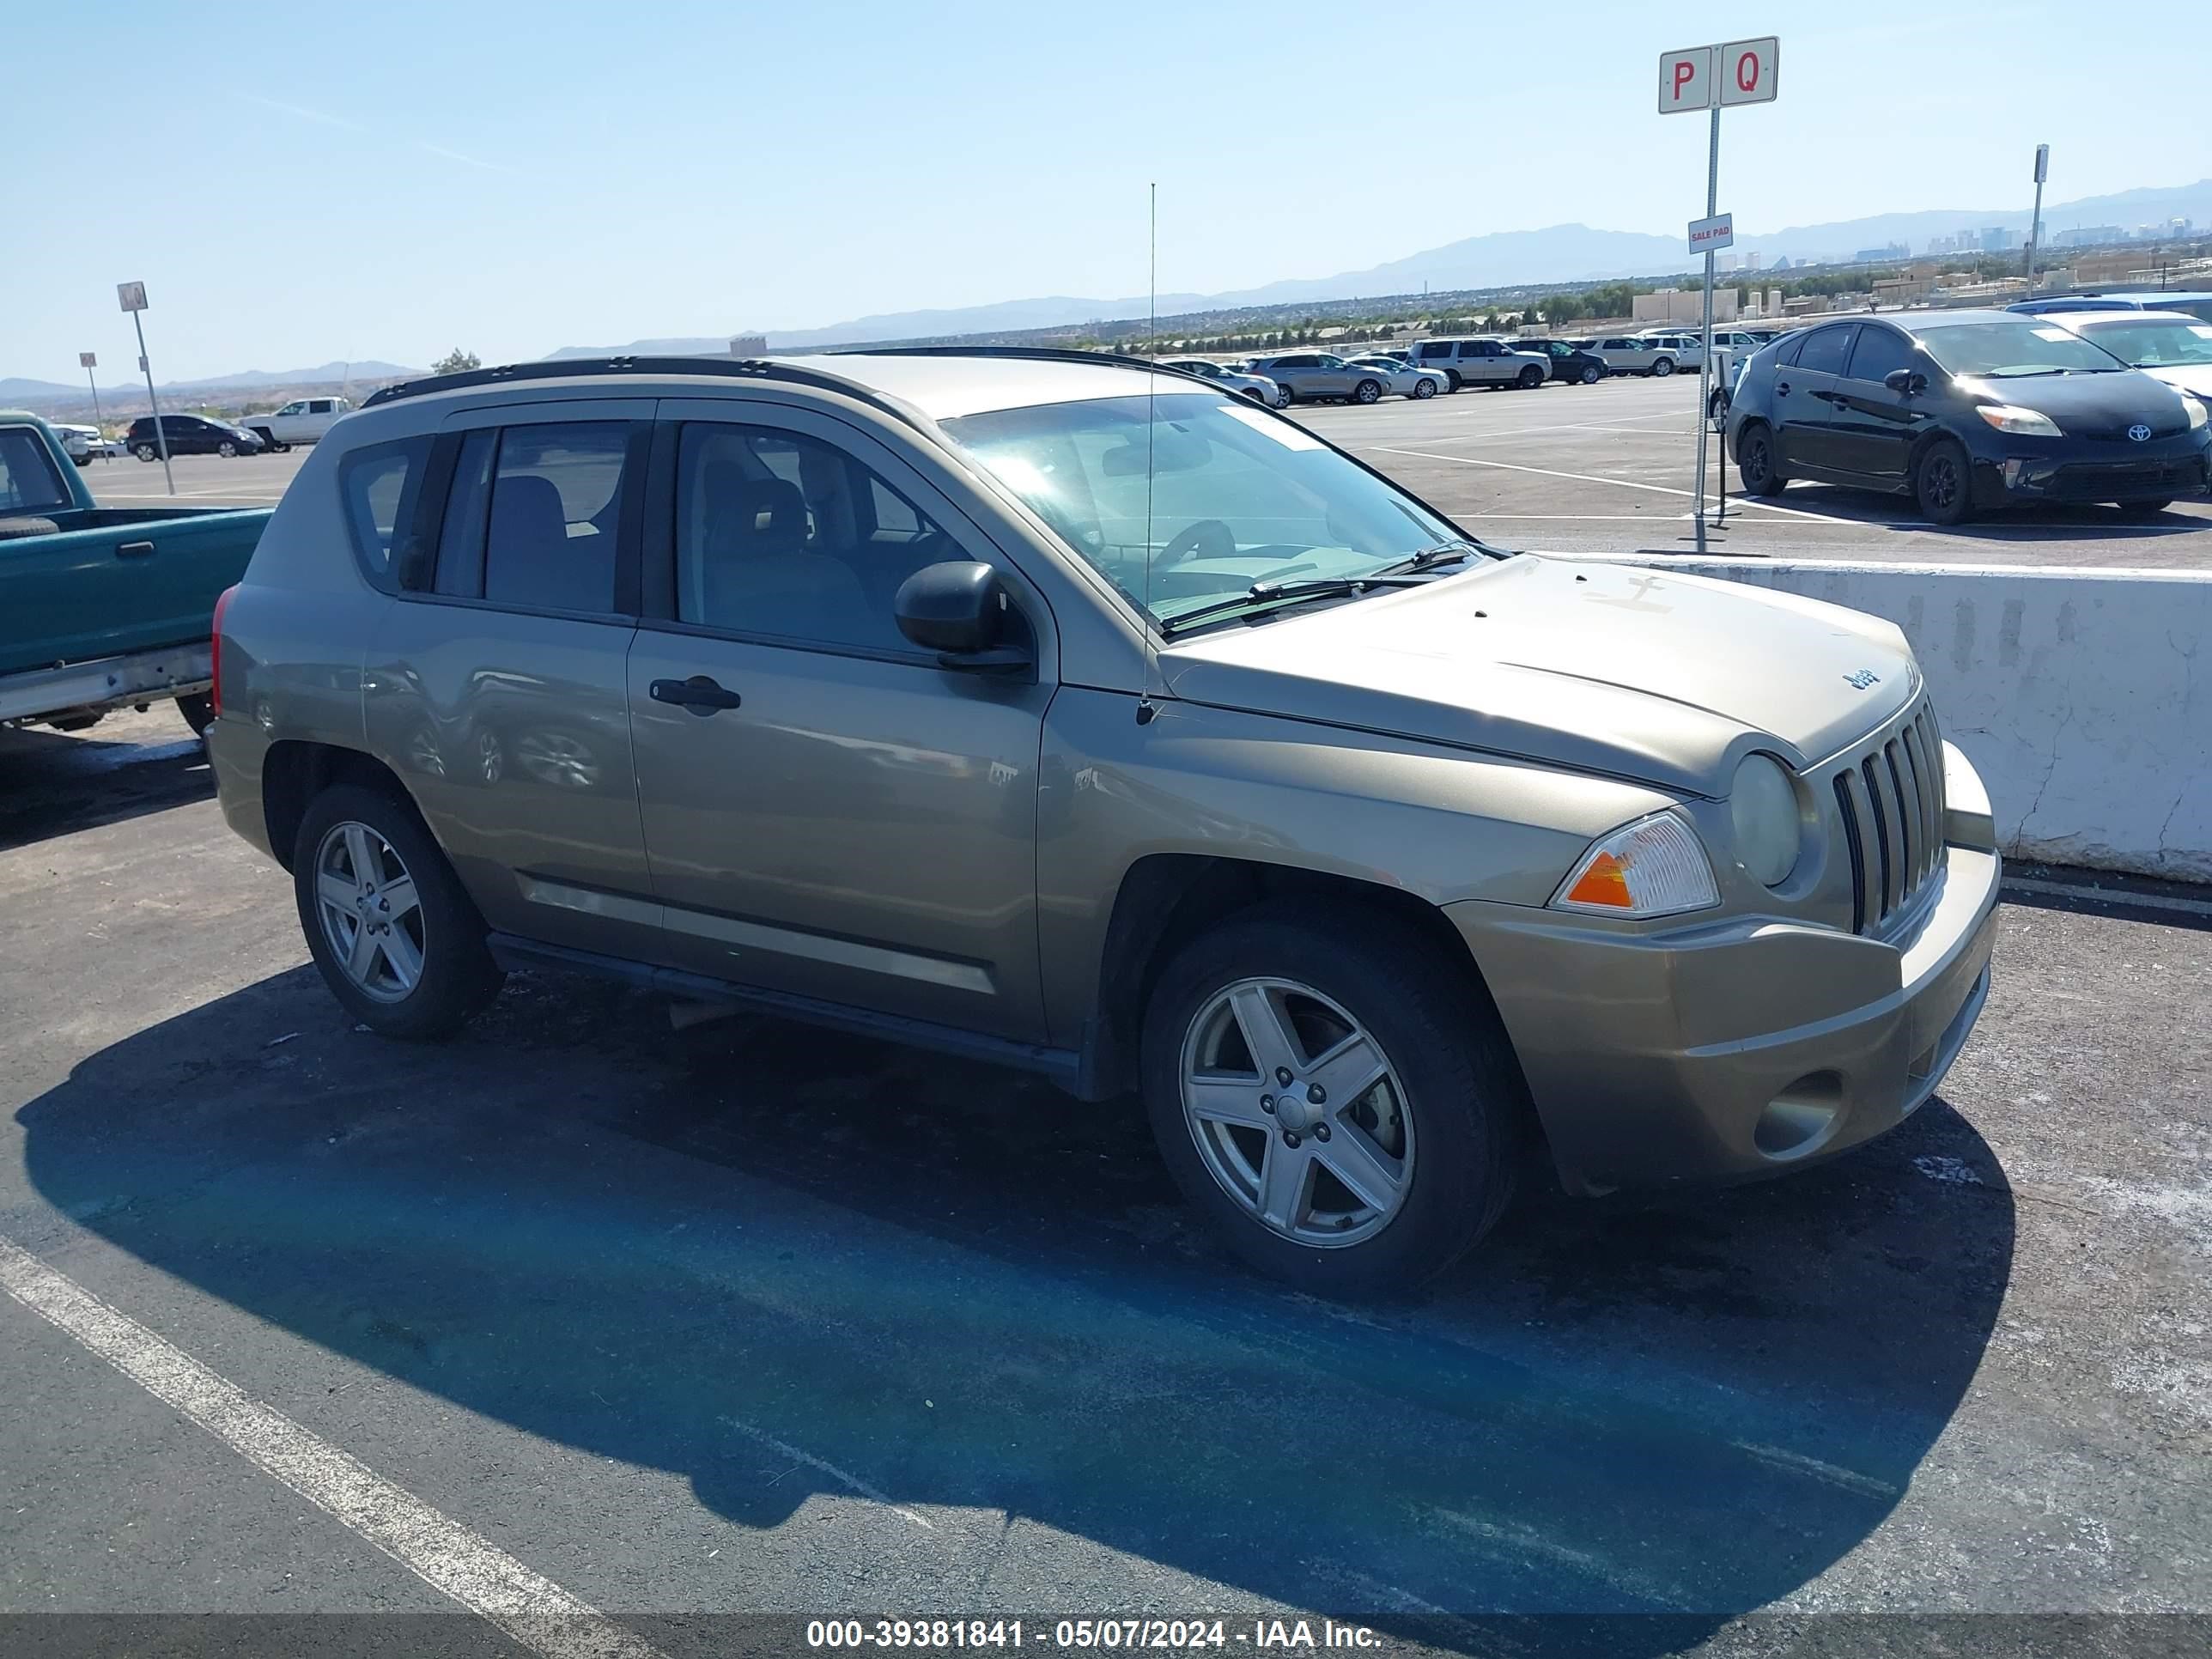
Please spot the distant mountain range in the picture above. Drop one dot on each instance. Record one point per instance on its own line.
(1497, 259)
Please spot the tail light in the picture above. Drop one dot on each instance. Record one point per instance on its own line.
(222, 604)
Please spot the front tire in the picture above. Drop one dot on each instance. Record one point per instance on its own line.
(1393, 1149)
(1529, 378)
(1941, 484)
(395, 936)
(1663, 368)
(227, 449)
(1425, 387)
(1591, 375)
(1755, 460)
(1367, 392)
(1453, 375)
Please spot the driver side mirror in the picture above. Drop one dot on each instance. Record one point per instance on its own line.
(1905, 381)
(959, 610)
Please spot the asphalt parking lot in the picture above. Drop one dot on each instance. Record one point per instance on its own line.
(742, 1320)
(1587, 469)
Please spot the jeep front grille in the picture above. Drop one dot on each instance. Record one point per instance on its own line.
(1889, 796)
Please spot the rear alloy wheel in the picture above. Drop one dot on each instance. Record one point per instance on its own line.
(1340, 1102)
(1425, 387)
(1530, 378)
(1663, 368)
(1591, 375)
(395, 936)
(1941, 484)
(1754, 460)
(1367, 392)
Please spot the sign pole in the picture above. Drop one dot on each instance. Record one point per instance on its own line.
(90, 362)
(2035, 221)
(1705, 347)
(160, 435)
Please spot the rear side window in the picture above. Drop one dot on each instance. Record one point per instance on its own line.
(29, 483)
(379, 485)
(554, 517)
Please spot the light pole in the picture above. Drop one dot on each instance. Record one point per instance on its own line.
(2035, 221)
(88, 361)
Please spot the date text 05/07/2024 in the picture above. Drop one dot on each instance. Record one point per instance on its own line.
(1164, 1635)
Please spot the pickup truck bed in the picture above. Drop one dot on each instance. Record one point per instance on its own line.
(102, 606)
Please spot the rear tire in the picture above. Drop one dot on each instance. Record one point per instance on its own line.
(1942, 483)
(1756, 464)
(1442, 1126)
(434, 928)
(144, 452)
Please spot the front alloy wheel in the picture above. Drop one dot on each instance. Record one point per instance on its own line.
(1296, 1111)
(1367, 392)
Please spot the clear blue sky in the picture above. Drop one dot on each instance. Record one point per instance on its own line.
(387, 180)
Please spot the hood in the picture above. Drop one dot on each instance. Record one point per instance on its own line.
(1665, 679)
(2195, 378)
(2092, 406)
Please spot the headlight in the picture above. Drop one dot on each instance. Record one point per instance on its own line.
(1652, 868)
(2196, 412)
(1763, 808)
(2021, 423)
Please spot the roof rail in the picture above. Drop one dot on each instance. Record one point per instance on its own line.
(1035, 354)
(752, 369)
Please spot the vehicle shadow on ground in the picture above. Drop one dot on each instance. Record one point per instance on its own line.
(56, 783)
(793, 1266)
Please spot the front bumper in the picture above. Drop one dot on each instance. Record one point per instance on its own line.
(2160, 470)
(1736, 1050)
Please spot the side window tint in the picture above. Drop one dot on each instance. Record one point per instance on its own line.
(1879, 352)
(29, 483)
(781, 535)
(379, 486)
(555, 511)
(1826, 349)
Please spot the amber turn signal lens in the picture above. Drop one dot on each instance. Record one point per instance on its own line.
(1605, 882)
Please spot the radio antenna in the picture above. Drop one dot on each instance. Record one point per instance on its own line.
(1145, 709)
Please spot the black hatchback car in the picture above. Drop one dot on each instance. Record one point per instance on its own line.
(190, 435)
(1965, 411)
(1570, 361)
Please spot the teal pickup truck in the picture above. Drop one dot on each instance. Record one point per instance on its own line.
(104, 608)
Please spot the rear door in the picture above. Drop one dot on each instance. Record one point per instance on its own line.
(1806, 428)
(496, 684)
(844, 820)
(1875, 426)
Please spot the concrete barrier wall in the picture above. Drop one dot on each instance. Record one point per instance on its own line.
(2083, 696)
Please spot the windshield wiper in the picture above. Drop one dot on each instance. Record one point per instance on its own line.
(1429, 557)
(1283, 592)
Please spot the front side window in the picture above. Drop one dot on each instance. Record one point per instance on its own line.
(291, 409)
(2015, 349)
(377, 485)
(781, 535)
(1879, 352)
(1827, 350)
(29, 482)
(554, 516)
(1205, 499)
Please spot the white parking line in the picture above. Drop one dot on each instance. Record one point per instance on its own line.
(437, 1549)
(1624, 484)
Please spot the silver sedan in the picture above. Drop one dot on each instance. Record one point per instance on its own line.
(1258, 387)
(1405, 380)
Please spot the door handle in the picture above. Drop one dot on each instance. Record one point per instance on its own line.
(700, 694)
(134, 550)
(1782, 388)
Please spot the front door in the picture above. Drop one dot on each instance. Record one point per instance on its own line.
(827, 812)
(1876, 426)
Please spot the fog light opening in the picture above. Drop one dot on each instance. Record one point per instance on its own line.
(1800, 1117)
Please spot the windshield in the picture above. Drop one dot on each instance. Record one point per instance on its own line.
(1209, 499)
(2155, 341)
(2006, 350)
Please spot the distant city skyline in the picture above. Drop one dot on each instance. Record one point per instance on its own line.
(509, 178)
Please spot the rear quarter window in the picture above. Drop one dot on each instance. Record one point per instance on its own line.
(378, 486)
